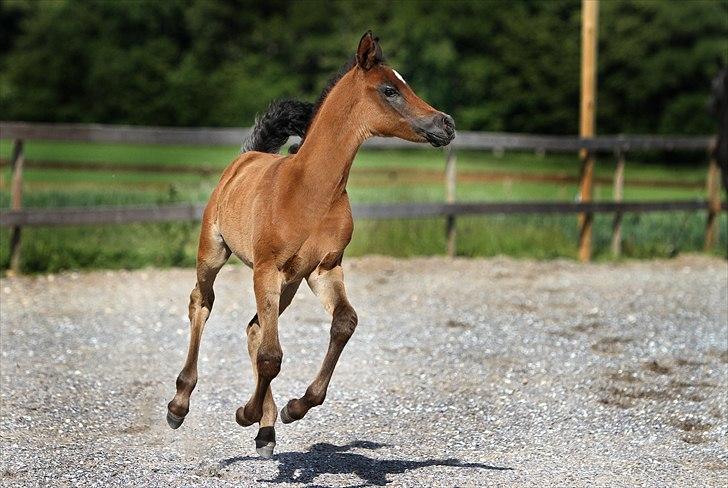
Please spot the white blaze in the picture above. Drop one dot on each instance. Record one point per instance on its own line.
(399, 76)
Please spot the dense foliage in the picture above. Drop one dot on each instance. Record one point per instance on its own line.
(495, 65)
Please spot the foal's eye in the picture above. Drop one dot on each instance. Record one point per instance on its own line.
(389, 91)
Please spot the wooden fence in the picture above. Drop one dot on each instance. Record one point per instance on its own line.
(16, 218)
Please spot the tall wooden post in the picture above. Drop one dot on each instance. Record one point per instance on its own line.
(16, 195)
(618, 194)
(713, 187)
(450, 188)
(589, 36)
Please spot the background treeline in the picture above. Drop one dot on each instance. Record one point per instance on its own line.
(495, 65)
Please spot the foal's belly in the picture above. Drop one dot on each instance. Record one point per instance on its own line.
(296, 258)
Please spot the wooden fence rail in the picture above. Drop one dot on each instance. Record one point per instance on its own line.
(619, 145)
(477, 141)
(412, 174)
(53, 217)
(37, 217)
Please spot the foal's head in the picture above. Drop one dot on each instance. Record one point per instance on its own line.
(390, 107)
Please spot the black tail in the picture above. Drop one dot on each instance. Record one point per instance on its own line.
(283, 118)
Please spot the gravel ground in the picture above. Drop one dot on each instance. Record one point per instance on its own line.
(461, 373)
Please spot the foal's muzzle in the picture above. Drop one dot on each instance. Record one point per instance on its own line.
(439, 130)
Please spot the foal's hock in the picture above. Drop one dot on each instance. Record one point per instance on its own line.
(289, 219)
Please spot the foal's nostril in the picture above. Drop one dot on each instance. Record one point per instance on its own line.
(448, 121)
(445, 122)
(438, 129)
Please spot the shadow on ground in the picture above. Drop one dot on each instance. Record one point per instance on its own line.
(324, 458)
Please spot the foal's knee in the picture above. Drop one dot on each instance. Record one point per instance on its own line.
(344, 323)
(269, 363)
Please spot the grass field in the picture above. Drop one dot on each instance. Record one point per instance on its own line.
(377, 177)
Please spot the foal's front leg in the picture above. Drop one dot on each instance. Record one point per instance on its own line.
(328, 285)
(265, 441)
(267, 287)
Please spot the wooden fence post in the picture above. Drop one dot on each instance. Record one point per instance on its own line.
(713, 187)
(16, 195)
(450, 188)
(589, 36)
(618, 194)
(586, 219)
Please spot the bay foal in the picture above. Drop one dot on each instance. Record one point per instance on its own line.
(289, 219)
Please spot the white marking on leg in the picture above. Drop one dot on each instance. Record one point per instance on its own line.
(399, 76)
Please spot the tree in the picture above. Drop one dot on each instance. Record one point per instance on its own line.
(494, 65)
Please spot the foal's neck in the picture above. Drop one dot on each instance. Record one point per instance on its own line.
(331, 143)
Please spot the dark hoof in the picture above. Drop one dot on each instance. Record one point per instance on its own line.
(265, 442)
(240, 418)
(173, 420)
(285, 416)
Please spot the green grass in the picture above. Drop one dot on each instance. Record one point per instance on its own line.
(173, 244)
(111, 246)
(425, 158)
(123, 153)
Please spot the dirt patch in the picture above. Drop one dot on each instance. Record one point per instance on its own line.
(610, 345)
(625, 376)
(561, 333)
(691, 424)
(209, 472)
(694, 438)
(722, 356)
(617, 401)
(135, 429)
(639, 392)
(656, 367)
(689, 362)
(691, 384)
(456, 324)
(588, 327)
(626, 387)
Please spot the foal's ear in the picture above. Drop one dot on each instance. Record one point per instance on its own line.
(369, 54)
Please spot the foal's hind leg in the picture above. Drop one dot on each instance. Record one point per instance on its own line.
(328, 285)
(211, 256)
(265, 441)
